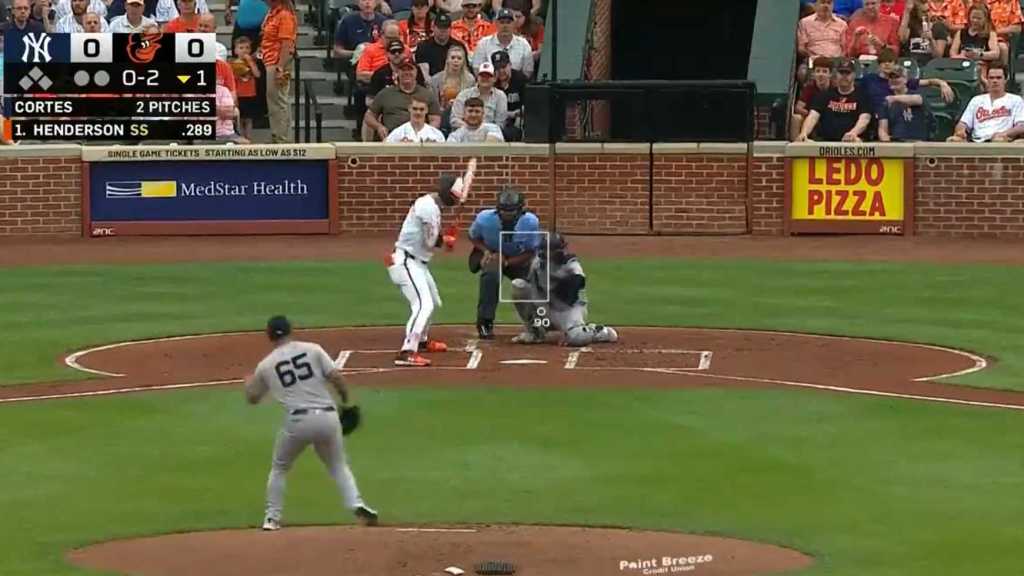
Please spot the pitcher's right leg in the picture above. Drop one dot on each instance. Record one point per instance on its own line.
(287, 448)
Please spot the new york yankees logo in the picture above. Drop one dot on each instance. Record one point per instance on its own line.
(38, 45)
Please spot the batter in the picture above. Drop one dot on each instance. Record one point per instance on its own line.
(408, 265)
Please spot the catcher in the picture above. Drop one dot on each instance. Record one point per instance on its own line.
(566, 307)
(297, 374)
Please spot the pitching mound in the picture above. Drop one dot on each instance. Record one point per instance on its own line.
(388, 551)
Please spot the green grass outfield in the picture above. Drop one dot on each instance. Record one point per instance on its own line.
(866, 485)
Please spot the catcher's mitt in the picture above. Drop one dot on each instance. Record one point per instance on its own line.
(350, 418)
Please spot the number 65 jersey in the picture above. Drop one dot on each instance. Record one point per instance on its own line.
(296, 374)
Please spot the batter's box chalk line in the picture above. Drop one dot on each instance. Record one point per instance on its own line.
(571, 361)
(475, 356)
(703, 362)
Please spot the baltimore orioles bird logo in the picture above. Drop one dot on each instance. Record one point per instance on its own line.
(142, 48)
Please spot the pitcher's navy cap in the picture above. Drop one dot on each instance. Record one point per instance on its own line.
(278, 327)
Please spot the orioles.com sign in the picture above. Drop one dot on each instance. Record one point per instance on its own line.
(847, 189)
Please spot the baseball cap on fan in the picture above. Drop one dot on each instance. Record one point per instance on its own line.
(504, 14)
(278, 327)
(134, 2)
(486, 68)
(443, 20)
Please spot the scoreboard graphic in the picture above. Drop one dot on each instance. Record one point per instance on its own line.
(103, 86)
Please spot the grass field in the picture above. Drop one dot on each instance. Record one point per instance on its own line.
(867, 486)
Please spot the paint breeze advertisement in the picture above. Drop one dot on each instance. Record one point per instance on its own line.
(847, 189)
(196, 191)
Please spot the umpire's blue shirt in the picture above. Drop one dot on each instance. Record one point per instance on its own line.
(525, 238)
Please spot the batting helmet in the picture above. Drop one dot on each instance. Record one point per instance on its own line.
(444, 188)
(510, 204)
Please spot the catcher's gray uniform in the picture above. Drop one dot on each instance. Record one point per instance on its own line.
(565, 309)
(295, 373)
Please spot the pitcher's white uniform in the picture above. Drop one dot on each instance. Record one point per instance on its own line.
(409, 271)
(295, 373)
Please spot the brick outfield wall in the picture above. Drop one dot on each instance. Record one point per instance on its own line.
(970, 196)
(602, 189)
(40, 195)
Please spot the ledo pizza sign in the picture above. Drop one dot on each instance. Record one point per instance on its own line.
(847, 195)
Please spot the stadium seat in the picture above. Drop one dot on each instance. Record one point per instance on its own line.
(944, 114)
(958, 69)
(911, 66)
(962, 75)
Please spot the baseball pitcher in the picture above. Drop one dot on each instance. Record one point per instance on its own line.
(566, 306)
(297, 374)
(408, 265)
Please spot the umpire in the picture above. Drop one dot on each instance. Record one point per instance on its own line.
(517, 231)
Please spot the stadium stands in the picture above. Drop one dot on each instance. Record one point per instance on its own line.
(928, 31)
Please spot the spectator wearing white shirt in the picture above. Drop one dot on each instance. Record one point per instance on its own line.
(519, 50)
(167, 10)
(994, 117)
(416, 130)
(74, 22)
(495, 101)
(132, 22)
(475, 130)
(63, 8)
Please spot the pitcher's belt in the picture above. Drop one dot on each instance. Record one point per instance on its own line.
(301, 411)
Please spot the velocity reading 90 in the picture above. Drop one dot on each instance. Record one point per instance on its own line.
(105, 86)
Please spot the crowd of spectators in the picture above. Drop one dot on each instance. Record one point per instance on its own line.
(450, 51)
(445, 52)
(838, 38)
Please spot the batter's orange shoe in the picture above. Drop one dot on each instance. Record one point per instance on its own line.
(433, 346)
(407, 358)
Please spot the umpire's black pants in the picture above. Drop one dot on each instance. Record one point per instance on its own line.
(490, 281)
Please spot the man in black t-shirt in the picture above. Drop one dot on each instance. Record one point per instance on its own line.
(841, 113)
(432, 52)
(385, 75)
(513, 84)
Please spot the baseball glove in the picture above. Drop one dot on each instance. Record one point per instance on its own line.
(350, 418)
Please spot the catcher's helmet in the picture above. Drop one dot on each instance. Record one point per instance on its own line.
(510, 204)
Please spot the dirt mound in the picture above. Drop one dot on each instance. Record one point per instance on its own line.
(411, 551)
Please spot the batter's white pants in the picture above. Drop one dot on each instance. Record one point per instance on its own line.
(413, 278)
(323, 431)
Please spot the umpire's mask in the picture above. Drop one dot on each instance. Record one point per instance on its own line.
(510, 205)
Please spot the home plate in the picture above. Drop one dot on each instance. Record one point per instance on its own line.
(523, 361)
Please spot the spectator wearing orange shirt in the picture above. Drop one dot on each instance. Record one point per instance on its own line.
(532, 28)
(869, 31)
(417, 27)
(188, 21)
(246, 73)
(280, 29)
(821, 33)
(1006, 20)
(952, 13)
(472, 27)
(893, 8)
(375, 56)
